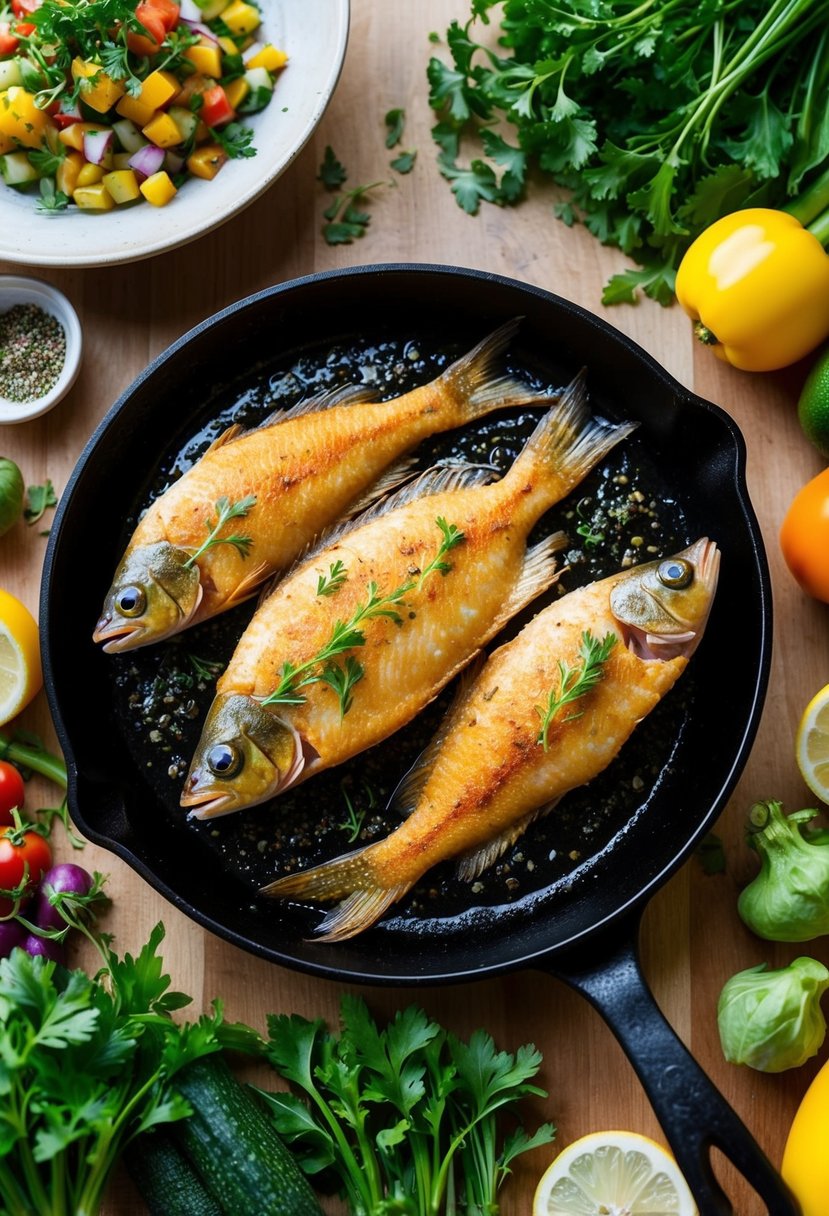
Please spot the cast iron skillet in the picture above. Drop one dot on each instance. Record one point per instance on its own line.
(585, 931)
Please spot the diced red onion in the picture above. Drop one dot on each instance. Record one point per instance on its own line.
(147, 160)
(96, 144)
(198, 27)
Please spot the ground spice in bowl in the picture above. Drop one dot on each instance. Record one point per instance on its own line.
(32, 352)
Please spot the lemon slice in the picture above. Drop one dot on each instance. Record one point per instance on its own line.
(20, 672)
(812, 744)
(613, 1174)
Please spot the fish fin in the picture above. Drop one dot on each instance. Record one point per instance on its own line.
(248, 586)
(473, 384)
(539, 572)
(472, 865)
(569, 440)
(407, 792)
(343, 394)
(348, 878)
(388, 482)
(231, 432)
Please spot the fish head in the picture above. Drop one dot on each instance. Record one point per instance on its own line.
(155, 593)
(662, 607)
(245, 755)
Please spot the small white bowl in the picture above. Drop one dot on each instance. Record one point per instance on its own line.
(20, 289)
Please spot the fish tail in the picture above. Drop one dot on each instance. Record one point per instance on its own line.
(568, 441)
(351, 879)
(473, 385)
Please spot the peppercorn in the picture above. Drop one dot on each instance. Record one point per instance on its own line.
(32, 352)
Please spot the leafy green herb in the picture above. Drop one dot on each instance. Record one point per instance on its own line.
(656, 118)
(322, 667)
(409, 1118)
(225, 511)
(235, 139)
(330, 583)
(395, 124)
(354, 820)
(51, 199)
(404, 162)
(332, 173)
(39, 499)
(575, 681)
(345, 221)
(205, 669)
(47, 161)
(88, 1064)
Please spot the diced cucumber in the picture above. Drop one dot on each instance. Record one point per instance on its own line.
(128, 135)
(186, 121)
(10, 74)
(261, 90)
(17, 170)
(211, 8)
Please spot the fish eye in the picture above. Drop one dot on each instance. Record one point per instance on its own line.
(675, 573)
(131, 601)
(224, 760)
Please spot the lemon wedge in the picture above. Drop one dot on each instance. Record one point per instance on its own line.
(812, 744)
(615, 1173)
(21, 677)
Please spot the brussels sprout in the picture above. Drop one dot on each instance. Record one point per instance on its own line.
(11, 493)
(772, 1020)
(788, 901)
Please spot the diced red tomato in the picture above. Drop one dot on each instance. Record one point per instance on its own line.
(153, 23)
(24, 8)
(8, 42)
(168, 11)
(215, 110)
(24, 29)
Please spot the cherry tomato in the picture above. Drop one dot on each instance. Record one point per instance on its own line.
(168, 10)
(19, 848)
(804, 537)
(153, 23)
(12, 792)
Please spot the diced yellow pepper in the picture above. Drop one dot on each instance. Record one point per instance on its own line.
(66, 178)
(241, 18)
(122, 184)
(158, 189)
(7, 144)
(98, 91)
(21, 119)
(162, 131)
(73, 135)
(228, 45)
(206, 58)
(159, 88)
(89, 174)
(93, 198)
(207, 161)
(237, 91)
(269, 57)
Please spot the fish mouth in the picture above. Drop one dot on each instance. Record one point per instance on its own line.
(117, 637)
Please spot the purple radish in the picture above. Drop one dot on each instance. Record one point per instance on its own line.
(65, 876)
(46, 947)
(12, 934)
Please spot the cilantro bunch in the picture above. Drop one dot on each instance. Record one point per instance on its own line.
(410, 1119)
(85, 1066)
(657, 116)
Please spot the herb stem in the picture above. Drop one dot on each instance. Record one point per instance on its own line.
(810, 207)
(33, 757)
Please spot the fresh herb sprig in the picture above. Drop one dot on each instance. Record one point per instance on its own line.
(410, 1118)
(575, 681)
(40, 498)
(225, 511)
(345, 221)
(323, 667)
(656, 118)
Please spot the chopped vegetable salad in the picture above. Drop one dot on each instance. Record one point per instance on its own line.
(104, 103)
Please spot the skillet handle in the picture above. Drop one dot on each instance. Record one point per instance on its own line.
(693, 1113)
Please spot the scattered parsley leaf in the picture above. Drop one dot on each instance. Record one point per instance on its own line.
(332, 173)
(51, 199)
(39, 498)
(395, 123)
(404, 162)
(236, 140)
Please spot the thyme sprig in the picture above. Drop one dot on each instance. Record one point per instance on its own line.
(225, 511)
(575, 681)
(322, 667)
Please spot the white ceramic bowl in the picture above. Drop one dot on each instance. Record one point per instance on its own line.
(314, 33)
(19, 289)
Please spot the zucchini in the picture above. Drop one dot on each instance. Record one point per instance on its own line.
(166, 1180)
(233, 1145)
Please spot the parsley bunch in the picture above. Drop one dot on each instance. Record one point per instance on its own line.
(409, 1118)
(85, 1066)
(657, 116)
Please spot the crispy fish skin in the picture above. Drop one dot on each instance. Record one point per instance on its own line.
(487, 776)
(442, 624)
(304, 469)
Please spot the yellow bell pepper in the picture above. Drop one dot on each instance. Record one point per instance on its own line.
(805, 1165)
(756, 282)
(21, 119)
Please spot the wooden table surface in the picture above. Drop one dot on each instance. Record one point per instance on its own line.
(692, 939)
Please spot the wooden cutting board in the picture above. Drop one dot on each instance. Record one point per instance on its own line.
(692, 938)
